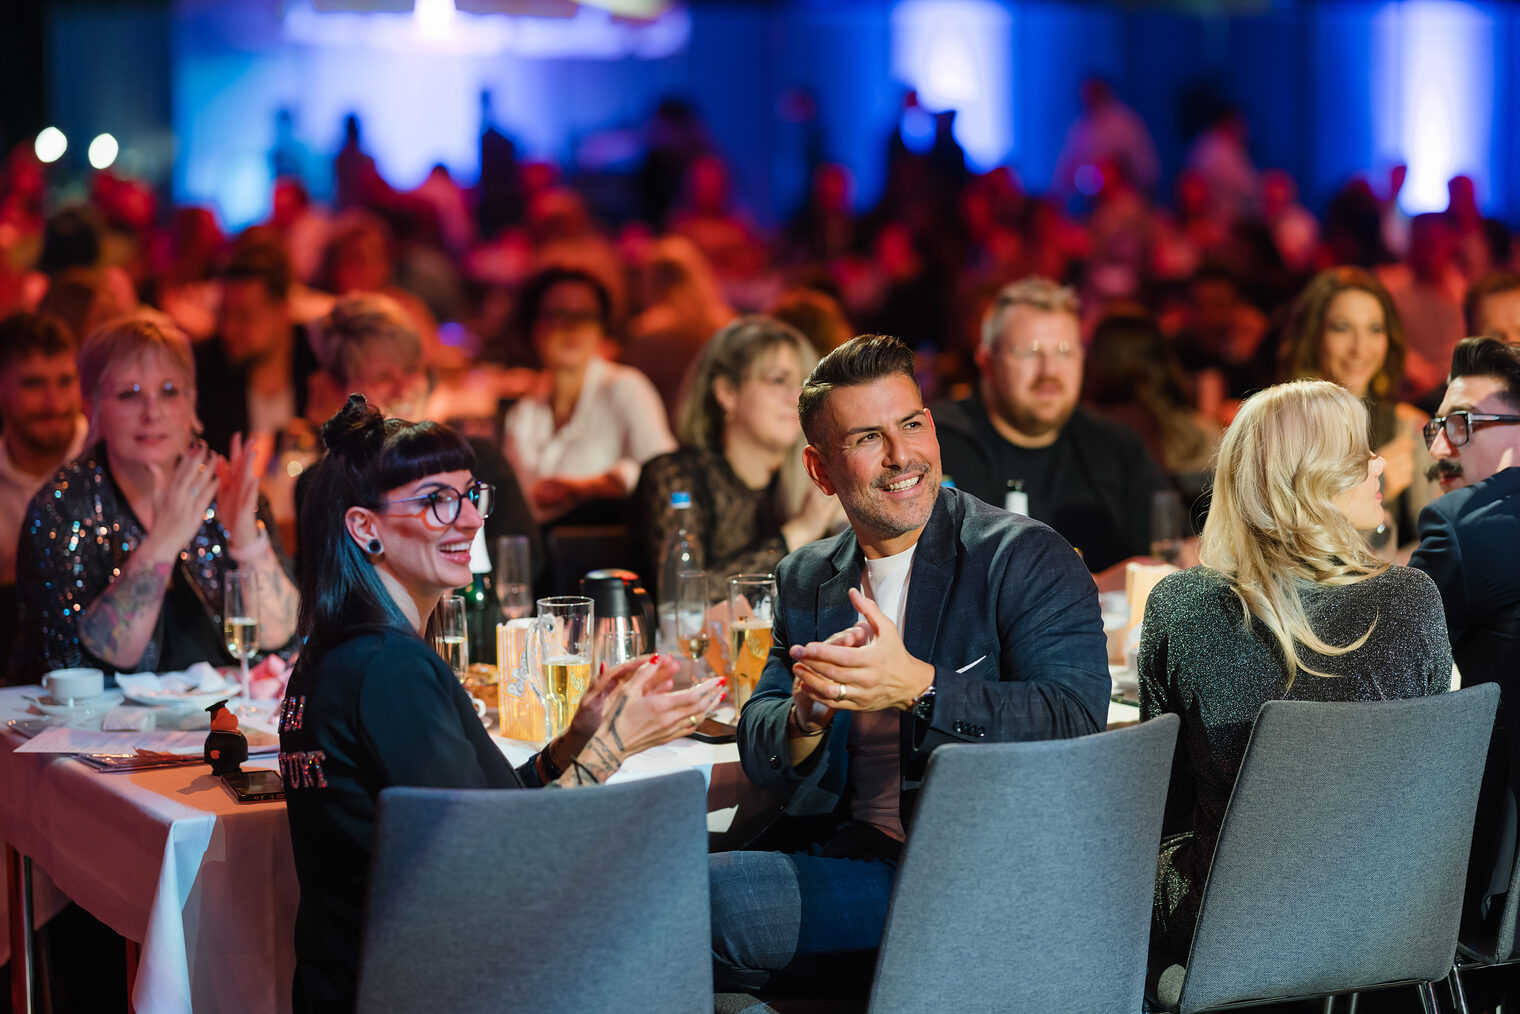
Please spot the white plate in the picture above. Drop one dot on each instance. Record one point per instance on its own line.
(81, 706)
(182, 699)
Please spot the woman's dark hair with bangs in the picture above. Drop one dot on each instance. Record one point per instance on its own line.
(367, 456)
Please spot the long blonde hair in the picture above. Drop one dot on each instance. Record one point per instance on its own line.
(1273, 523)
(732, 353)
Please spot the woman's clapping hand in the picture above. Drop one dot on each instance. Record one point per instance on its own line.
(630, 708)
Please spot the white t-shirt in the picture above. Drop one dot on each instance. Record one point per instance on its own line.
(875, 747)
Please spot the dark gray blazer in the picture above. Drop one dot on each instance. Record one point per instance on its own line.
(1470, 546)
(998, 603)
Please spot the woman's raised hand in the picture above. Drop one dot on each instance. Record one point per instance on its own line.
(238, 482)
(643, 711)
(635, 708)
(180, 499)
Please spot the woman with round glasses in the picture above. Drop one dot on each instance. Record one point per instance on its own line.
(387, 526)
(124, 553)
(1289, 603)
(1345, 328)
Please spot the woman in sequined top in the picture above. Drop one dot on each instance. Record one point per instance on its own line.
(1289, 603)
(740, 456)
(122, 556)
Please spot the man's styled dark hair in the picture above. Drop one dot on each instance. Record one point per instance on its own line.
(23, 335)
(1489, 357)
(1490, 284)
(861, 360)
(263, 261)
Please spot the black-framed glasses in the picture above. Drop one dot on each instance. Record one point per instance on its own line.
(446, 500)
(1459, 425)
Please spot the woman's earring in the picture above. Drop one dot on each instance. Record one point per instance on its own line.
(374, 547)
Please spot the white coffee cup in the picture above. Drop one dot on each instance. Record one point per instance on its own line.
(66, 686)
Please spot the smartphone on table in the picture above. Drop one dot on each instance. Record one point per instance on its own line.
(254, 786)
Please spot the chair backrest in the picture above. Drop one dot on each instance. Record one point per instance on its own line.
(1343, 853)
(1027, 882)
(540, 901)
(575, 550)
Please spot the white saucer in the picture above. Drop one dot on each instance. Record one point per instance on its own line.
(82, 705)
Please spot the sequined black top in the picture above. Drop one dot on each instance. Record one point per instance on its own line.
(78, 535)
(1198, 660)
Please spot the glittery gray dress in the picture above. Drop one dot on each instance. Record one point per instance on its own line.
(78, 534)
(1199, 661)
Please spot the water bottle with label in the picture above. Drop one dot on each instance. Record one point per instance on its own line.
(683, 552)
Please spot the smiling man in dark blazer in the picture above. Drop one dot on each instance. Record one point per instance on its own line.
(1470, 546)
(933, 619)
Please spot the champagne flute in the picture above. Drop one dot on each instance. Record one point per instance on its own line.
(451, 639)
(752, 606)
(240, 628)
(514, 577)
(691, 618)
(562, 646)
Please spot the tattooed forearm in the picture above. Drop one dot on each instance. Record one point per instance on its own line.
(117, 626)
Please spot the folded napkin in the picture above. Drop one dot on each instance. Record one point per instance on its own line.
(200, 677)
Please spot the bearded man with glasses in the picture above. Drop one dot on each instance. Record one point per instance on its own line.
(1470, 546)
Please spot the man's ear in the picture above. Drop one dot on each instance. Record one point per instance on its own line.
(813, 462)
(363, 525)
(982, 357)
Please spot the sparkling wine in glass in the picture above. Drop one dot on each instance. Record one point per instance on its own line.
(451, 640)
(514, 577)
(240, 627)
(691, 618)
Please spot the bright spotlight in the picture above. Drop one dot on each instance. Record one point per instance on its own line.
(103, 151)
(51, 144)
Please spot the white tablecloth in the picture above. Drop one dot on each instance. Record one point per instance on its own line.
(208, 886)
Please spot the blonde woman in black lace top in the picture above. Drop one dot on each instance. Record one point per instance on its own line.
(740, 456)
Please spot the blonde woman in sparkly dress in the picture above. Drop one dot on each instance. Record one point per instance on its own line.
(123, 555)
(1289, 602)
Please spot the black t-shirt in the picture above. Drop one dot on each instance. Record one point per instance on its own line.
(1093, 485)
(376, 710)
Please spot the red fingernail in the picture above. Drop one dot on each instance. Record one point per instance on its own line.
(722, 681)
(653, 659)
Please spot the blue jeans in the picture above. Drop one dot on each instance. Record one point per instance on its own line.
(794, 922)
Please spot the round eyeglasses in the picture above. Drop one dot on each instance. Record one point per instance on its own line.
(445, 501)
(1460, 424)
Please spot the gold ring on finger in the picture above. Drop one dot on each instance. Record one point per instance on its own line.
(841, 692)
(694, 720)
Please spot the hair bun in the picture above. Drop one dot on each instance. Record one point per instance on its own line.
(356, 431)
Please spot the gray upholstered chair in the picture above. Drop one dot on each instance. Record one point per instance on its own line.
(1342, 858)
(594, 899)
(1027, 882)
(1488, 950)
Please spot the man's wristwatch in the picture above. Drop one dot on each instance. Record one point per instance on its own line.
(923, 706)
